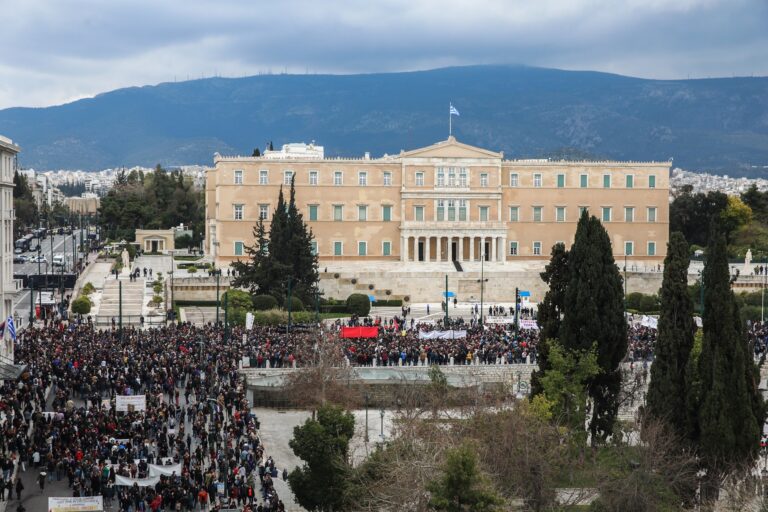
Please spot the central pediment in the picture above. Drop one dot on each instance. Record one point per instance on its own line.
(451, 148)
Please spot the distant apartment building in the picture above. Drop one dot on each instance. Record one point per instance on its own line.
(445, 202)
(8, 152)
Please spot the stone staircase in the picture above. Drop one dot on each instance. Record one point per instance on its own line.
(133, 299)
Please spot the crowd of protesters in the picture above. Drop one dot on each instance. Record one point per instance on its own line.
(196, 416)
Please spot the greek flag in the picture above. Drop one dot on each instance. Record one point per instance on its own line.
(11, 327)
(453, 111)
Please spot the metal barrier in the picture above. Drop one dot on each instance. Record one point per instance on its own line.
(149, 321)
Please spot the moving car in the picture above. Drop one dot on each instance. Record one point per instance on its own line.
(20, 259)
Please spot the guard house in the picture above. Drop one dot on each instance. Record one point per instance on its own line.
(155, 240)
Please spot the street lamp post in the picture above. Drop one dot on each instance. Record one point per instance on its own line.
(482, 280)
(218, 275)
(366, 418)
(762, 298)
(382, 424)
(446, 302)
(625, 279)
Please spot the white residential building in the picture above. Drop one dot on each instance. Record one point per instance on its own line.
(8, 152)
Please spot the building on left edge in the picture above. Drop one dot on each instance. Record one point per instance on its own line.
(8, 287)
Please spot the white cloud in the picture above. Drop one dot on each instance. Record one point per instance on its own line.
(55, 51)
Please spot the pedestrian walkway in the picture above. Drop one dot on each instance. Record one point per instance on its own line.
(133, 299)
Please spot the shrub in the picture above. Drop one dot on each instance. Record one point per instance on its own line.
(157, 287)
(649, 303)
(156, 300)
(358, 304)
(407, 298)
(264, 302)
(388, 292)
(280, 317)
(633, 300)
(353, 280)
(237, 299)
(334, 308)
(191, 269)
(81, 305)
(336, 275)
(370, 287)
(88, 288)
(296, 304)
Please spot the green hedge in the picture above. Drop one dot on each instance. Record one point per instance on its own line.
(358, 304)
(296, 304)
(334, 308)
(642, 303)
(390, 302)
(264, 302)
(280, 317)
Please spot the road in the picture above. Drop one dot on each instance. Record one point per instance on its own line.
(52, 244)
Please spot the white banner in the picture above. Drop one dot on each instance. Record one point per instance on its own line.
(499, 319)
(141, 482)
(86, 504)
(442, 335)
(125, 403)
(249, 321)
(649, 321)
(529, 324)
(156, 470)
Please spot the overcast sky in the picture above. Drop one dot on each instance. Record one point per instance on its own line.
(55, 51)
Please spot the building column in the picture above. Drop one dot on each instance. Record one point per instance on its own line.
(427, 240)
(504, 248)
(471, 248)
(494, 254)
(461, 249)
(403, 248)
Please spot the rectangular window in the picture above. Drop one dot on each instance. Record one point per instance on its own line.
(314, 246)
(440, 209)
(629, 248)
(537, 248)
(513, 248)
(313, 177)
(651, 181)
(338, 248)
(362, 178)
(263, 177)
(387, 179)
(287, 177)
(484, 180)
(537, 180)
(561, 181)
(462, 209)
(629, 214)
(239, 212)
(238, 177)
(514, 214)
(560, 213)
(606, 181)
(418, 213)
(440, 177)
(484, 213)
(606, 214)
(386, 248)
(651, 248)
(584, 180)
(362, 212)
(338, 212)
(263, 211)
(419, 179)
(362, 248)
(386, 213)
(630, 181)
(451, 210)
(239, 248)
(513, 179)
(313, 212)
(338, 178)
(651, 214)
(537, 213)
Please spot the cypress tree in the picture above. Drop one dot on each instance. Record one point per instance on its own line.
(730, 411)
(259, 273)
(667, 391)
(303, 261)
(593, 314)
(548, 315)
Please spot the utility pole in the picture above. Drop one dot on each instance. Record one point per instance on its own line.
(445, 322)
(120, 306)
(317, 305)
(625, 280)
(218, 275)
(288, 329)
(482, 280)
(226, 317)
(517, 321)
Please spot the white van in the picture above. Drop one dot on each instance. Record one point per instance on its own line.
(58, 260)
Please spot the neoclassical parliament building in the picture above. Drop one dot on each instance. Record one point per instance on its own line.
(442, 203)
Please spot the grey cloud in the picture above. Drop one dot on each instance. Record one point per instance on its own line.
(56, 51)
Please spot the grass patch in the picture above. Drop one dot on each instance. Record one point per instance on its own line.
(186, 258)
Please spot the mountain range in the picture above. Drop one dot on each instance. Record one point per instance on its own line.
(717, 125)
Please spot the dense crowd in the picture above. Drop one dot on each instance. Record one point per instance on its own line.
(196, 416)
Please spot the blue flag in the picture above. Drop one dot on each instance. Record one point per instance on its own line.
(11, 327)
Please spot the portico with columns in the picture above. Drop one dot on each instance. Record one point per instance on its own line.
(462, 246)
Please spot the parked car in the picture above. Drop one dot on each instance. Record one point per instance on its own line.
(40, 259)
(18, 250)
(20, 259)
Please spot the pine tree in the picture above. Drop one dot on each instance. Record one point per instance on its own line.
(593, 313)
(731, 411)
(303, 261)
(667, 391)
(548, 314)
(256, 152)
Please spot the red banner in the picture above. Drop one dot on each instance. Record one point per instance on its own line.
(359, 332)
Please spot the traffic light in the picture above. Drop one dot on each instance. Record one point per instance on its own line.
(517, 299)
